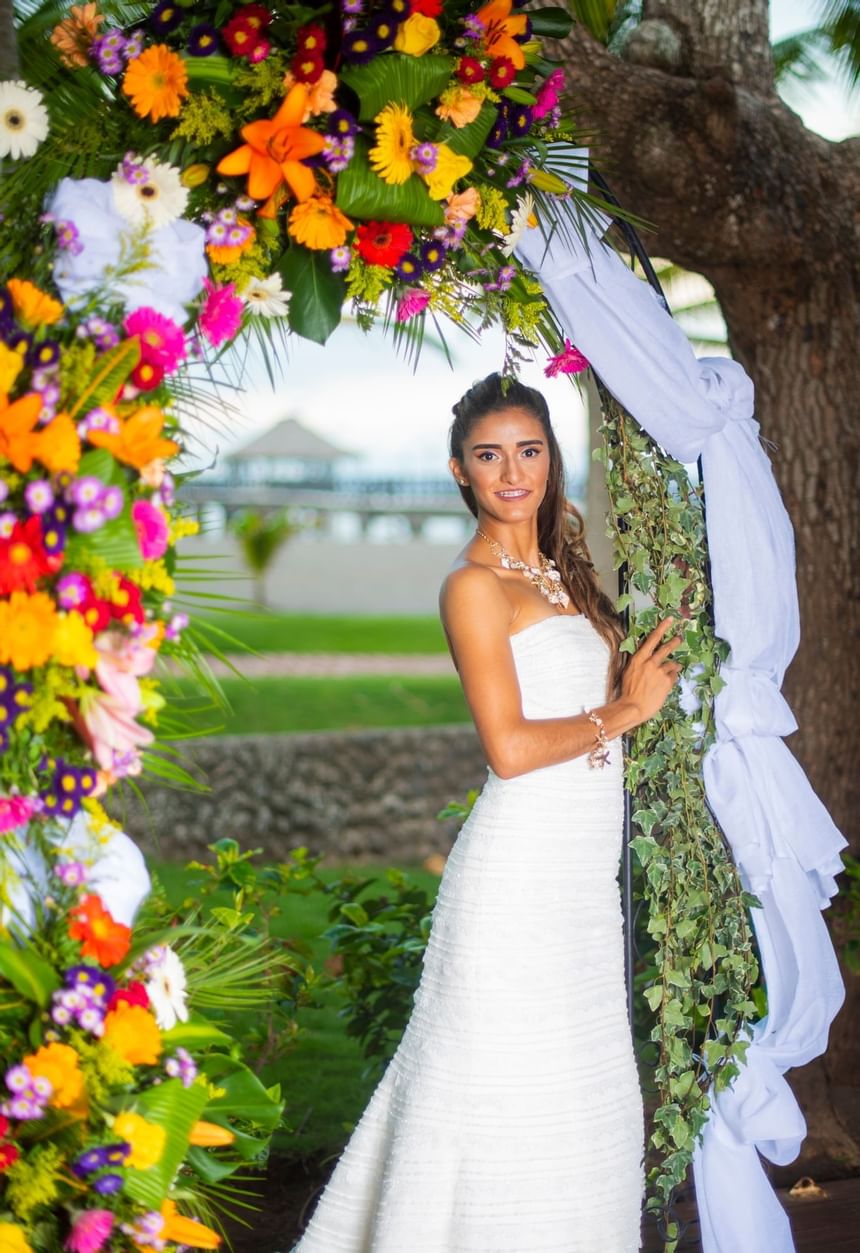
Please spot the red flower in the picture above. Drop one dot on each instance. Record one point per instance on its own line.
(311, 38)
(4, 1125)
(257, 14)
(146, 376)
(134, 994)
(307, 67)
(126, 604)
(241, 36)
(8, 1156)
(23, 560)
(502, 72)
(95, 612)
(102, 938)
(470, 70)
(428, 8)
(383, 243)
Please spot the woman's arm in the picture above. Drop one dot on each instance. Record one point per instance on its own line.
(476, 614)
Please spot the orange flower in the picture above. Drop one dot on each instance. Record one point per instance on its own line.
(499, 31)
(33, 307)
(180, 1230)
(27, 626)
(56, 445)
(459, 106)
(210, 1135)
(73, 36)
(462, 206)
(102, 938)
(226, 254)
(318, 224)
(156, 83)
(273, 151)
(138, 440)
(58, 1063)
(320, 94)
(132, 1031)
(59, 445)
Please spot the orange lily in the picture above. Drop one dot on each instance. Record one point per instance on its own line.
(57, 446)
(138, 440)
(499, 31)
(273, 151)
(180, 1230)
(210, 1135)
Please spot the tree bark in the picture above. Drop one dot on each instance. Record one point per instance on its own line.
(8, 42)
(693, 137)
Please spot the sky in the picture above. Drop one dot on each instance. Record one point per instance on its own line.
(364, 398)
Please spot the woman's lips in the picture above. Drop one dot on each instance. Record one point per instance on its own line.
(517, 494)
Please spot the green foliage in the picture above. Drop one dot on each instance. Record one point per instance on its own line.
(361, 193)
(699, 984)
(381, 940)
(846, 914)
(399, 78)
(261, 535)
(317, 292)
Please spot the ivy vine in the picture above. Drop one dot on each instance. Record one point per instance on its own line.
(702, 967)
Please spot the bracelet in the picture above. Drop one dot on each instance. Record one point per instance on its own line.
(599, 755)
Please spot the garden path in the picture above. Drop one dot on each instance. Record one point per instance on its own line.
(339, 665)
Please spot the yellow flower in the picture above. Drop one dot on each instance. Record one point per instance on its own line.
(12, 1239)
(132, 1031)
(73, 642)
(394, 141)
(318, 224)
(156, 82)
(10, 367)
(147, 1139)
(58, 1063)
(449, 169)
(417, 35)
(459, 106)
(27, 626)
(33, 307)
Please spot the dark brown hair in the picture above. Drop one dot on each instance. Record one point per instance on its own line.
(561, 527)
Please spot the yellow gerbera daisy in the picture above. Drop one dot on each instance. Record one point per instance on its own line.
(156, 83)
(394, 141)
(318, 223)
(33, 307)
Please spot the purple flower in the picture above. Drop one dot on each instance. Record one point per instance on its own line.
(134, 45)
(167, 490)
(87, 490)
(115, 1154)
(133, 170)
(342, 122)
(39, 495)
(425, 157)
(182, 1066)
(89, 1161)
(72, 591)
(165, 17)
(18, 340)
(359, 46)
(88, 520)
(175, 626)
(353, 6)
(340, 260)
(338, 152)
(71, 873)
(112, 502)
(98, 420)
(67, 237)
(499, 131)
(473, 27)
(18, 1079)
(106, 1185)
(432, 256)
(202, 40)
(519, 120)
(91, 981)
(503, 279)
(409, 268)
(244, 204)
(7, 309)
(4, 490)
(44, 355)
(53, 535)
(7, 524)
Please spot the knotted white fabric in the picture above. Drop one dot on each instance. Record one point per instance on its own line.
(784, 842)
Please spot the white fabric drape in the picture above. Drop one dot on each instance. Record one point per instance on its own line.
(784, 842)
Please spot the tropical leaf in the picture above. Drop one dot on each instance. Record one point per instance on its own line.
(29, 974)
(556, 23)
(194, 1034)
(398, 78)
(115, 542)
(240, 1093)
(317, 293)
(595, 15)
(111, 371)
(176, 1109)
(363, 194)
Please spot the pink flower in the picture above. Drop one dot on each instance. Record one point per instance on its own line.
(411, 302)
(109, 728)
(151, 526)
(548, 94)
(569, 361)
(122, 660)
(162, 342)
(90, 1232)
(221, 315)
(15, 811)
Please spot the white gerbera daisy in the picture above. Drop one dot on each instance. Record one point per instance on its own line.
(23, 120)
(165, 987)
(150, 192)
(519, 222)
(266, 296)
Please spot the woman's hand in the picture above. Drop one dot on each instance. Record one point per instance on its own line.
(651, 674)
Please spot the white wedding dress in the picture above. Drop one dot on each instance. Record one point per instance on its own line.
(510, 1118)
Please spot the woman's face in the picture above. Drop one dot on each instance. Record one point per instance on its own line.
(506, 463)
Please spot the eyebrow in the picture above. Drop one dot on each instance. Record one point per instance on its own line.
(520, 444)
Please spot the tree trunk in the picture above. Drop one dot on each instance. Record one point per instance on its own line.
(8, 43)
(694, 138)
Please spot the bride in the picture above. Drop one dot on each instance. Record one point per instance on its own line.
(510, 1118)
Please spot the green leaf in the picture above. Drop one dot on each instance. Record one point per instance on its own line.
(111, 371)
(397, 78)
(519, 95)
(363, 194)
(176, 1109)
(551, 23)
(467, 141)
(241, 1094)
(101, 464)
(115, 542)
(28, 973)
(653, 996)
(355, 913)
(317, 294)
(195, 1034)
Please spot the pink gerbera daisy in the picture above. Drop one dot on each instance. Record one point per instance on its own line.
(569, 361)
(221, 315)
(91, 1231)
(411, 302)
(162, 342)
(15, 811)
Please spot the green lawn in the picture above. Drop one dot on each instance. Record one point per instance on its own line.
(290, 703)
(321, 1071)
(312, 633)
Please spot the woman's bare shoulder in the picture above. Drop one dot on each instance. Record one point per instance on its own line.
(470, 588)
